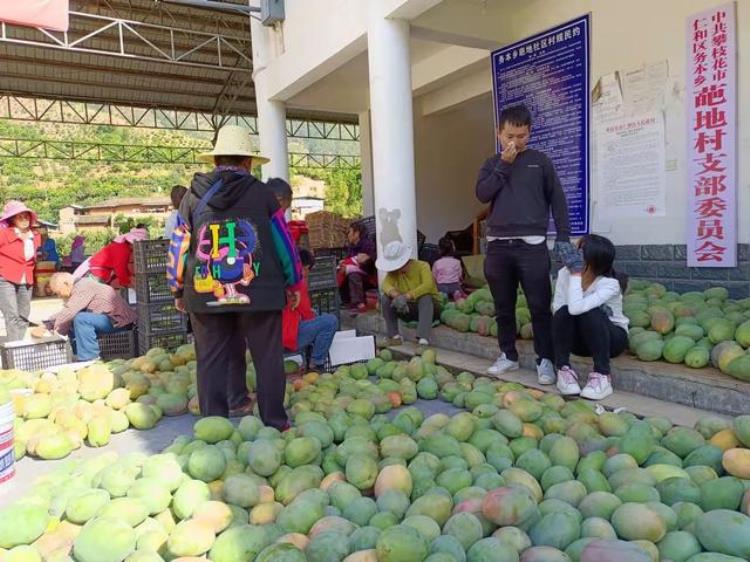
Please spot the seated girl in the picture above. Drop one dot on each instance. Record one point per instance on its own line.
(448, 271)
(588, 319)
(302, 328)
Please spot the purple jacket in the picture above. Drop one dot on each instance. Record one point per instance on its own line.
(365, 246)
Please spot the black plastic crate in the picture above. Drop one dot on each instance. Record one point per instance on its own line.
(152, 288)
(35, 356)
(369, 224)
(323, 275)
(326, 300)
(168, 341)
(150, 256)
(429, 253)
(160, 317)
(117, 345)
(338, 253)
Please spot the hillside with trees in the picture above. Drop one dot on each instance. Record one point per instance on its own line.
(47, 185)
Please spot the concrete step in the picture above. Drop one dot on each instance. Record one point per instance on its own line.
(642, 406)
(703, 389)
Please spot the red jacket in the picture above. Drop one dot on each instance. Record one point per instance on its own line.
(13, 263)
(290, 319)
(112, 262)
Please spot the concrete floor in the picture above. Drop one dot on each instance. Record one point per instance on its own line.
(152, 441)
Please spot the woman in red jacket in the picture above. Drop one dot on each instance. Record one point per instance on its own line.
(113, 264)
(18, 247)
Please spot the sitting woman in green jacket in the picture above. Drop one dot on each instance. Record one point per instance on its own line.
(409, 292)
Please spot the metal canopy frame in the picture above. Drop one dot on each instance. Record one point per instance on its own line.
(113, 36)
(148, 154)
(18, 108)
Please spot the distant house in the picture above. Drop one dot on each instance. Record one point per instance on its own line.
(101, 216)
(303, 206)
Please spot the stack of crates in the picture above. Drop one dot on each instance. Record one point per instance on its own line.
(322, 286)
(160, 324)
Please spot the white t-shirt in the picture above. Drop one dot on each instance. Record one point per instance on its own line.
(28, 249)
(604, 291)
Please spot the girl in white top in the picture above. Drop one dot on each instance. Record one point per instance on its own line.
(588, 319)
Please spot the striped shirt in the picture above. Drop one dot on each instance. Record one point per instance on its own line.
(91, 296)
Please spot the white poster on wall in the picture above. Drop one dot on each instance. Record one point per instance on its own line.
(630, 177)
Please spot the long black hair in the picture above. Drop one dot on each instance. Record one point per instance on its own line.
(599, 255)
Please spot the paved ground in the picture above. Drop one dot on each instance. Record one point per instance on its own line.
(152, 441)
(28, 470)
(41, 309)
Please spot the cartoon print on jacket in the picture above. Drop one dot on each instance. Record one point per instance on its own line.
(224, 256)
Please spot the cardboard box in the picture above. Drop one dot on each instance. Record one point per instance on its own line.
(348, 348)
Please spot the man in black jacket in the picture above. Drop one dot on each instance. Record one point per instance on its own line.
(230, 263)
(521, 186)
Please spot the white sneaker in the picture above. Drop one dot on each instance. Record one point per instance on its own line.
(598, 387)
(545, 372)
(567, 382)
(502, 365)
(423, 341)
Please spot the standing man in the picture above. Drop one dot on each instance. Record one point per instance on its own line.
(521, 186)
(236, 257)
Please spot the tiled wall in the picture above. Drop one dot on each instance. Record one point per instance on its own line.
(667, 264)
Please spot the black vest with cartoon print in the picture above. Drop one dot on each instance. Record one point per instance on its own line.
(232, 264)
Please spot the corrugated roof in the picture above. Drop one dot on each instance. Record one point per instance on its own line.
(145, 76)
(212, 50)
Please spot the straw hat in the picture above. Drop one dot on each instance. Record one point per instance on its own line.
(394, 257)
(233, 140)
(13, 208)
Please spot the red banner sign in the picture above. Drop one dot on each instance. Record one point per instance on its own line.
(711, 100)
(47, 14)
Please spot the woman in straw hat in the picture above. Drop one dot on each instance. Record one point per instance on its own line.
(230, 263)
(18, 248)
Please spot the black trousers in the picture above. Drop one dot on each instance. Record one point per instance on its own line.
(591, 334)
(508, 264)
(353, 290)
(220, 344)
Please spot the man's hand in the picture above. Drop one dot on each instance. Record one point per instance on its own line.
(293, 298)
(509, 153)
(401, 304)
(179, 304)
(394, 294)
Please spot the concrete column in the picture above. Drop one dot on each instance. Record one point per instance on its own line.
(365, 152)
(271, 113)
(392, 127)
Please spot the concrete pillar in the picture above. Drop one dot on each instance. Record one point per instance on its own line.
(271, 113)
(365, 152)
(392, 127)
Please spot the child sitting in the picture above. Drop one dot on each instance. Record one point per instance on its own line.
(302, 328)
(448, 271)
